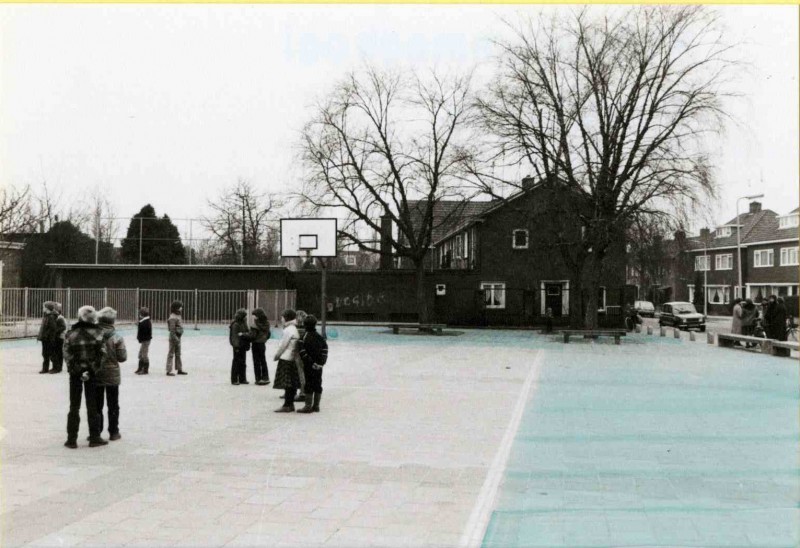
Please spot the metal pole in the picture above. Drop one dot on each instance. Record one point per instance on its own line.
(739, 248)
(141, 236)
(324, 298)
(190, 241)
(138, 304)
(195, 310)
(69, 303)
(97, 237)
(105, 296)
(705, 280)
(25, 312)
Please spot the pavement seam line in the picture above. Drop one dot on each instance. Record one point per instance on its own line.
(482, 511)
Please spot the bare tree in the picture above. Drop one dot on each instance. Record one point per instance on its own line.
(389, 145)
(16, 210)
(244, 224)
(613, 115)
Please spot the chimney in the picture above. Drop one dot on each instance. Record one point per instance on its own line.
(386, 243)
(528, 182)
(755, 207)
(705, 234)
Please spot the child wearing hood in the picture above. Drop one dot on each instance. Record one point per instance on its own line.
(260, 335)
(107, 379)
(144, 334)
(239, 338)
(61, 332)
(313, 351)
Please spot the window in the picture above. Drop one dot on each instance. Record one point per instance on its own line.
(718, 294)
(789, 221)
(520, 239)
(724, 262)
(723, 232)
(702, 263)
(494, 294)
(789, 256)
(458, 246)
(350, 260)
(762, 258)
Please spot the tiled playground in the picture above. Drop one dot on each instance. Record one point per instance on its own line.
(478, 437)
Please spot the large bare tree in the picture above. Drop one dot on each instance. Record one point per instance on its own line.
(612, 110)
(243, 223)
(386, 144)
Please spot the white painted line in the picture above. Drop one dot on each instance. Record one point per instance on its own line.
(484, 505)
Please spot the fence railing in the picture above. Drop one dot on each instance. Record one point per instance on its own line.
(21, 309)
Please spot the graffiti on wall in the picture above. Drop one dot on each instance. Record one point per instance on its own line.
(359, 300)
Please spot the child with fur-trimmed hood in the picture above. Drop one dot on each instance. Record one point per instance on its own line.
(108, 377)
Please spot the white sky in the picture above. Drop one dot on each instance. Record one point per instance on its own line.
(167, 104)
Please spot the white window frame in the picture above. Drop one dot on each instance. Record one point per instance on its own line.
(726, 294)
(785, 256)
(702, 259)
(723, 261)
(350, 260)
(514, 238)
(458, 246)
(757, 261)
(493, 287)
(789, 221)
(723, 232)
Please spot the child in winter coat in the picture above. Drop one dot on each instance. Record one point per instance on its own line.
(300, 318)
(239, 337)
(58, 348)
(175, 333)
(47, 336)
(260, 335)
(108, 377)
(286, 377)
(144, 334)
(313, 351)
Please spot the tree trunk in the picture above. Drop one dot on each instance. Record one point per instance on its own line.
(575, 300)
(592, 286)
(422, 294)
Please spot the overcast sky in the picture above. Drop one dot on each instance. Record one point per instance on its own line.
(167, 104)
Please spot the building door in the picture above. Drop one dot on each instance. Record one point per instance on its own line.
(552, 298)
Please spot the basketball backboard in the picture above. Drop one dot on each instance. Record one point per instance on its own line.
(308, 237)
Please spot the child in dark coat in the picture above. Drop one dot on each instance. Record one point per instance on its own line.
(240, 341)
(260, 335)
(144, 335)
(313, 350)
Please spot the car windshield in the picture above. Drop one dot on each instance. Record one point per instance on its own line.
(684, 308)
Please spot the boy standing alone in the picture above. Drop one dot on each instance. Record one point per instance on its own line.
(144, 334)
(175, 327)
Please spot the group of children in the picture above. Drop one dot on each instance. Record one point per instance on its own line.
(93, 351)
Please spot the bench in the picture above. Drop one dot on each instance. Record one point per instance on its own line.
(593, 334)
(435, 328)
(784, 348)
(729, 340)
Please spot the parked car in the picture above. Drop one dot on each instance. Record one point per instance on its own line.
(645, 309)
(682, 315)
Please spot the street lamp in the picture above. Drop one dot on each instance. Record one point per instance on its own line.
(739, 238)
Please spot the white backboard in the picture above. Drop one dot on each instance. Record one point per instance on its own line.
(304, 237)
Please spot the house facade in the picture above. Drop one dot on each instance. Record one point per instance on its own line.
(497, 264)
(769, 261)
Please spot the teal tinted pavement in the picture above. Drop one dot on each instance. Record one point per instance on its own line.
(656, 442)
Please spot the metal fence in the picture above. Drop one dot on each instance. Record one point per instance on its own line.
(21, 309)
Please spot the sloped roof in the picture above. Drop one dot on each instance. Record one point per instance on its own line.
(748, 221)
(449, 215)
(769, 229)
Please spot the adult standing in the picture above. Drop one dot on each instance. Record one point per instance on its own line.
(260, 334)
(770, 307)
(175, 327)
(286, 377)
(736, 319)
(749, 316)
(144, 334)
(777, 327)
(83, 351)
(239, 338)
(108, 376)
(47, 335)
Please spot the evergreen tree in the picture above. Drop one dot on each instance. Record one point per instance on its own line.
(160, 239)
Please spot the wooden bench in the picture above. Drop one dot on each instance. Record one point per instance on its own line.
(593, 334)
(729, 340)
(435, 328)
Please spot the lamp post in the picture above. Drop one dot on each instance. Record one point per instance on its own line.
(739, 239)
(705, 277)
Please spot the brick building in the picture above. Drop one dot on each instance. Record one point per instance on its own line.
(769, 261)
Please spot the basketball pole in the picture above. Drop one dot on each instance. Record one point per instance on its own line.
(324, 306)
